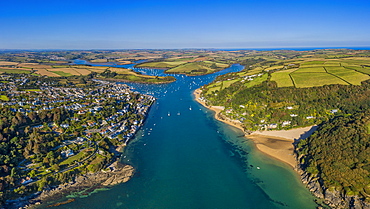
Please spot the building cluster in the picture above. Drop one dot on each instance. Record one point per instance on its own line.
(251, 77)
(81, 101)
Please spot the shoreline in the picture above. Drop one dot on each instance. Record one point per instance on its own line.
(277, 144)
(124, 80)
(179, 73)
(83, 184)
(217, 110)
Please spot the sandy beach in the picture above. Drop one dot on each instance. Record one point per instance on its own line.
(217, 110)
(277, 144)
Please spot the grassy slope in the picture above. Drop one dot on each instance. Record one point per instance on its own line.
(282, 78)
(171, 64)
(198, 68)
(351, 76)
(16, 71)
(61, 73)
(303, 80)
(4, 98)
(257, 81)
(189, 66)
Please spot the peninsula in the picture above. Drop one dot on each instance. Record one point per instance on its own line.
(188, 66)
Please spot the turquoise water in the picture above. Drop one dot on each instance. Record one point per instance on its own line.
(186, 159)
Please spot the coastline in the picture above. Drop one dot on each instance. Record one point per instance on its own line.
(187, 74)
(83, 184)
(180, 73)
(217, 110)
(124, 80)
(277, 144)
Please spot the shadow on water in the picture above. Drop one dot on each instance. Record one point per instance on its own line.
(184, 158)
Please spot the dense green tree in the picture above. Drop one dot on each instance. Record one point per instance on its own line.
(339, 153)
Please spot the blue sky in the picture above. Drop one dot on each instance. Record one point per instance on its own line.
(111, 24)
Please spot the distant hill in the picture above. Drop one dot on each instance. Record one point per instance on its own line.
(287, 93)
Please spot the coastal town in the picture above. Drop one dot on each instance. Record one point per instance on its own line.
(63, 125)
(54, 134)
(185, 104)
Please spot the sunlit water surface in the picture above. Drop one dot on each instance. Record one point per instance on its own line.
(184, 158)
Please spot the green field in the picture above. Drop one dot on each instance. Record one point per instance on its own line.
(187, 66)
(332, 63)
(161, 64)
(303, 80)
(198, 68)
(144, 78)
(221, 85)
(365, 70)
(314, 75)
(133, 78)
(4, 98)
(282, 78)
(278, 67)
(214, 87)
(250, 72)
(61, 73)
(310, 70)
(60, 66)
(257, 80)
(16, 71)
(210, 90)
(356, 61)
(226, 84)
(313, 63)
(351, 76)
(175, 59)
(220, 65)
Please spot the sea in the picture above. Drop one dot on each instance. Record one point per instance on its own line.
(184, 159)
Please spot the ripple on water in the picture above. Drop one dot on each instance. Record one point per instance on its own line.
(193, 161)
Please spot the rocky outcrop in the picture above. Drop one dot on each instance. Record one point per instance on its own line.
(120, 174)
(87, 183)
(119, 177)
(332, 198)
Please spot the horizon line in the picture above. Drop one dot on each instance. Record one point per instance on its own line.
(203, 48)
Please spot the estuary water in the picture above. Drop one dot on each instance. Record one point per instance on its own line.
(186, 159)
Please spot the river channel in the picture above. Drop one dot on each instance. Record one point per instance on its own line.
(186, 159)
